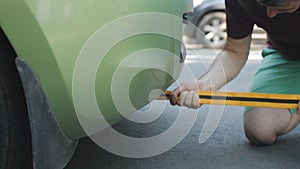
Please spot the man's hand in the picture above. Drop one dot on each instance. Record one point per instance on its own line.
(225, 67)
(187, 95)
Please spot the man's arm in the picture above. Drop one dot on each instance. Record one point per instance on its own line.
(225, 67)
(228, 63)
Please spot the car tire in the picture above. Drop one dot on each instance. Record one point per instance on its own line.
(211, 31)
(15, 137)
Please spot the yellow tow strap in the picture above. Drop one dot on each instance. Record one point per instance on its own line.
(244, 99)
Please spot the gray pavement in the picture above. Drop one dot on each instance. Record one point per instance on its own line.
(227, 148)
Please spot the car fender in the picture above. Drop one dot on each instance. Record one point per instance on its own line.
(49, 36)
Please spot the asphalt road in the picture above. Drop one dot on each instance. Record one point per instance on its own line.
(226, 148)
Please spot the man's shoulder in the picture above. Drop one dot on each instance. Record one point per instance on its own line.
(249, 7)
(244, 3)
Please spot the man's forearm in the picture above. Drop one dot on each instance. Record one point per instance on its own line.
(225, 67)
(227, 64)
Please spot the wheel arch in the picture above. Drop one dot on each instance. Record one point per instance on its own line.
(31, 43)
(38, 70)
(209, 12)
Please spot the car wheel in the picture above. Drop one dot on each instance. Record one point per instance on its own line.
(212, 30)
(15, 137)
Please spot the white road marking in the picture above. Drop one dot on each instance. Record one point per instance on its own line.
(202, 55)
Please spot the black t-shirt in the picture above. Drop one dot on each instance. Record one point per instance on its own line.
(283, 30)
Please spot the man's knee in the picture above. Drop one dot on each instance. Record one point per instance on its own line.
(259, 135)
(259, 127)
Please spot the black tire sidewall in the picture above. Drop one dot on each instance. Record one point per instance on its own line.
(15, 141)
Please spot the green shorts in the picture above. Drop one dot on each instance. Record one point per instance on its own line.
(276, 75)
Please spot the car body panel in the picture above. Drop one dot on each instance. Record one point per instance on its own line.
(50, 34)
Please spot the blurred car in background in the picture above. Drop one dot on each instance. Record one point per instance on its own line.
(207, 24)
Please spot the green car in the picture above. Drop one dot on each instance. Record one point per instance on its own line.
(58, 59)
